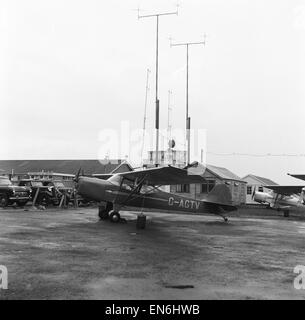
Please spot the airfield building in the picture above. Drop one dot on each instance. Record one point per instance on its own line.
(212, 174)
(59, 169)
(256, 183)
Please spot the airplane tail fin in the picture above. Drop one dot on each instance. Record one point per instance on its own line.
(220, 198)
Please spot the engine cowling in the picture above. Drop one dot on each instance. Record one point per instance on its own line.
(262, 197)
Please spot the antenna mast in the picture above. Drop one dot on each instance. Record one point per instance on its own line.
(169, 109)
(157, 15)
(188, 119)
(145, 108)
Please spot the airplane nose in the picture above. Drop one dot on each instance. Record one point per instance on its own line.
(258, 197)
(92, 188)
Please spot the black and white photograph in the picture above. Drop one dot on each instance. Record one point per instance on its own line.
(152, 151)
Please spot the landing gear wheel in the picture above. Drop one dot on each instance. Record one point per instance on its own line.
(114, 216)
(225, 219)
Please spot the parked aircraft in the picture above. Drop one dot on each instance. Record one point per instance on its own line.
(141, 189)
(281, 197)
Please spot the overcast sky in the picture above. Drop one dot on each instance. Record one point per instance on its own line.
(70, 69)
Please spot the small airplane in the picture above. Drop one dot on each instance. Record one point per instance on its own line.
(141, 189)
(281, 197)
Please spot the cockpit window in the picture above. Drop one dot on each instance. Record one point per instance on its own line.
(120, 181)
(130, 185)
(127, 184)
(115, 179)
(148, 189)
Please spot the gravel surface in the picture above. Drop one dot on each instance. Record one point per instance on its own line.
(70, 254)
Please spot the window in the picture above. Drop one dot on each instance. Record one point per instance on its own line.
(183, 188)
(260, 189)
(204, 188)
(207, 186)
(26, 184)
(162, 155)
(174, 156)
(249, 189)
(173, 188)
(148, 189)
(59, 184)
(115, 179)
(5, 182)
(128, 185)
(150, 156)
(37, 184)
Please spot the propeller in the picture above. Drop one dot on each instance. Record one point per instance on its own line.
(253, 193)
(77, 175)
(191, 165)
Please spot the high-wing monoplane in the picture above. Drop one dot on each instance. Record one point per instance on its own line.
(141, 189)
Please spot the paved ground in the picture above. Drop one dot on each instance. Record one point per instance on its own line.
(69, 254)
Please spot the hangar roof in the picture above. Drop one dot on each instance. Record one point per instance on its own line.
(89, 166)
(223, 173)
(63, 166)
(262, 180)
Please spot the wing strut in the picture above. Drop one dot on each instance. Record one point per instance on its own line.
(133, 191)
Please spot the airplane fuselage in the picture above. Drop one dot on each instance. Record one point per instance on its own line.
(278, 201)
(108, 191)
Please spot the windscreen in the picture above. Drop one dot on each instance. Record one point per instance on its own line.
(5, 182)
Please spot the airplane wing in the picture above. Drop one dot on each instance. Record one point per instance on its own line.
(164, 176)
(286, 190)
(103, 176)
(298, 176)
(106, 176)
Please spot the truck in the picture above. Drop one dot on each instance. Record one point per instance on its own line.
(50, 191)
(10, 194)
(46, 195)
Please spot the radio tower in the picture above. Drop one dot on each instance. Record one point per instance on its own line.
(188, 119)
(145, 108)
(157, 15)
